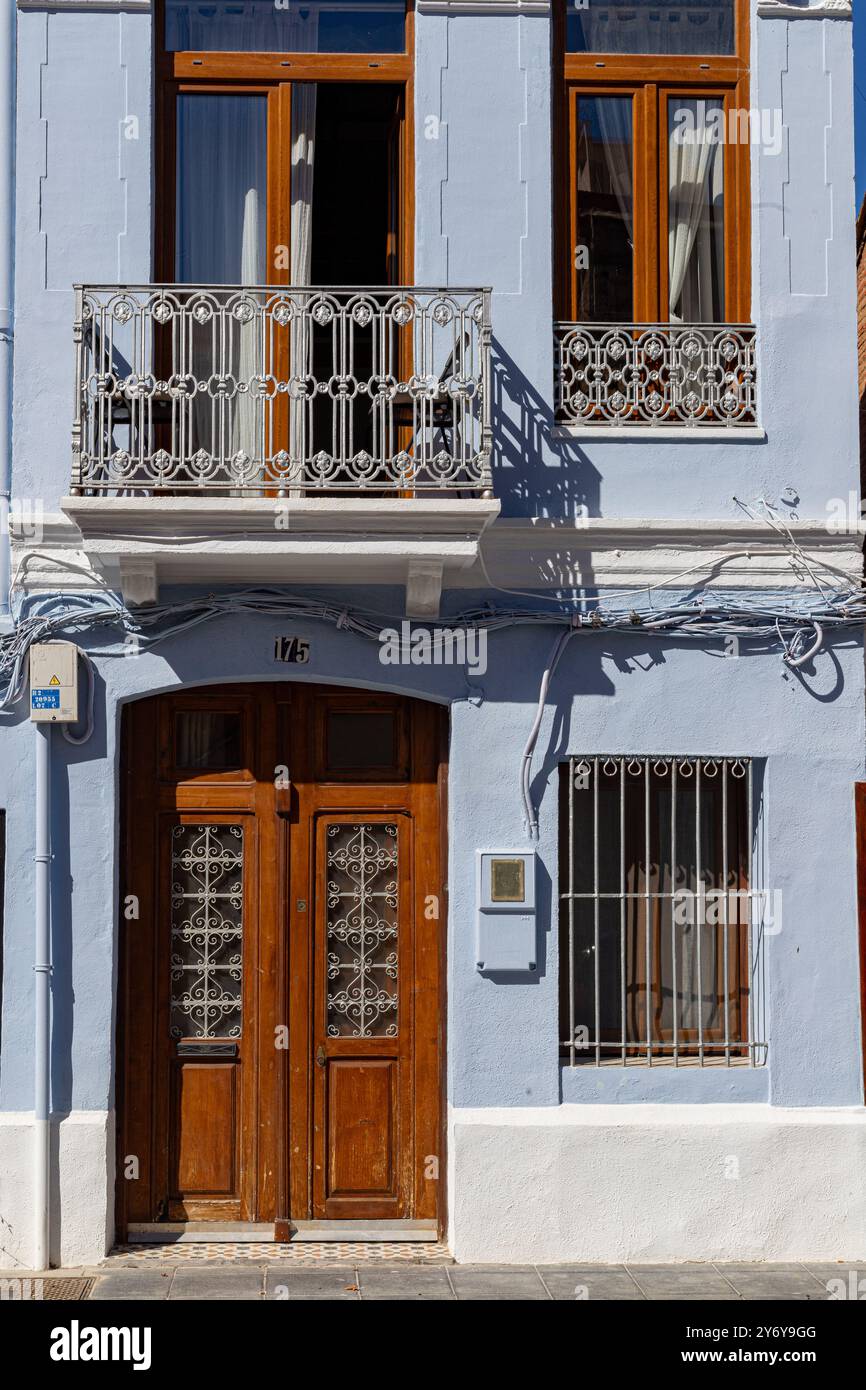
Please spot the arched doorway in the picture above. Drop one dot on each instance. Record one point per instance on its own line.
(282, 958)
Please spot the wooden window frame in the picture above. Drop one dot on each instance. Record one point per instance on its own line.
(272, 74)
(651, 80)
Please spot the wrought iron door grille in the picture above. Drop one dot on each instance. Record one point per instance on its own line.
(254, 391)
(611, 374)
(661, 926)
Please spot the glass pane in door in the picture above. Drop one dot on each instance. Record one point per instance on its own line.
(696, 210)
(604, 173)
(219, 350)
(221, 189)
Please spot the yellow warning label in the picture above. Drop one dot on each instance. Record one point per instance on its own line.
(55, 680)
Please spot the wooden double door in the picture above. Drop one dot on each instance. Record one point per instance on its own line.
(282, 957)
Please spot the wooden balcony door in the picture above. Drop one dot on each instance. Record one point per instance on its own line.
(282, 961)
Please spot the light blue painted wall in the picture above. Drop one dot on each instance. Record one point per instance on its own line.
(83, 211)
(610, 695)
(484, 197)
(484, 192)
(484, 201)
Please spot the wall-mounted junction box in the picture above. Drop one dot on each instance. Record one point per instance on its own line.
(506, 936)
(54, 682)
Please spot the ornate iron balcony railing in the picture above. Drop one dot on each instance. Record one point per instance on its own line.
(691, 375)
(250, 391)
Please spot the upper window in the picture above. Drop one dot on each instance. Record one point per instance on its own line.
(285, 26)
(655, 163)
(662, 26)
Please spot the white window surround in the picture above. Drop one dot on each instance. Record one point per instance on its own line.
(767, 9)
(805, 9)
(611, 433)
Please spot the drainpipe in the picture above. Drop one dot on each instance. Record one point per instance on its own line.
(42, 968)
(7, 235)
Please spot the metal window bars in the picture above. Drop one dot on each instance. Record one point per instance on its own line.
(662, 926)
(255, 391)
(691, 375)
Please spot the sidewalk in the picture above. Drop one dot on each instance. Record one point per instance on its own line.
(159, 1276)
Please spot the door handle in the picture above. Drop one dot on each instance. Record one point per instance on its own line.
(320, 1056)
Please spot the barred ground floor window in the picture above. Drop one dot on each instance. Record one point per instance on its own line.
(662, 922)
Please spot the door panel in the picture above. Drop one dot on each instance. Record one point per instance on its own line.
(363, 1025)
(360, 1140)
(205, 1128)
(207, 925)
(280, 1009)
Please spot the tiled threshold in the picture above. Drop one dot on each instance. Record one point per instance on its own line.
(274, 1252)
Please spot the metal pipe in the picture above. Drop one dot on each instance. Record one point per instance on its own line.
(8, 30)
(526, 762)
(42, 969)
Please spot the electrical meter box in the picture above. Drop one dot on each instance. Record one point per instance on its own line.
(54, 682)
(506, 938)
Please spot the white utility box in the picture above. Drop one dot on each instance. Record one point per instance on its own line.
(54, 682)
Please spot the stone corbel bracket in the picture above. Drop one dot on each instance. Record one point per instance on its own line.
(805, 9)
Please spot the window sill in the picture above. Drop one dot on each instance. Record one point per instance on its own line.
(664, 1085)
(687, 434)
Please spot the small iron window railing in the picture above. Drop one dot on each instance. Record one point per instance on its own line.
(691, 375)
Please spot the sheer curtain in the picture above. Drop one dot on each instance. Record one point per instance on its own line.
(638, 26)
(303, 171)
(243, 26)
(695, 235)
(221, 225)
(615, 124)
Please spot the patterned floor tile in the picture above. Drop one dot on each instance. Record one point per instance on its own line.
(261, 1252)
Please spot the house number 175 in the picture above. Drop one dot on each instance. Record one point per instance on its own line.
(295, 650)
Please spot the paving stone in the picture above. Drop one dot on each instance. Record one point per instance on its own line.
(422, 1284)
(772, 1282)
(312, 1282)
(681, 1281)
(853, 1278)
(492, 1283)
(137, 1285)
(208, 1284)
(565, 1283)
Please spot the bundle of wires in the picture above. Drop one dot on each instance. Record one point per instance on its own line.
(796, 620)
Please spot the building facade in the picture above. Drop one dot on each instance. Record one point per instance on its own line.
(415, 427)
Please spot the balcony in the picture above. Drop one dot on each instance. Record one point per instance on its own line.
(684, 376)
(300, 434)
(247, 392)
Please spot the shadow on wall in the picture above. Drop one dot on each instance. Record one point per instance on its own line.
(861, 337)
(534, 474)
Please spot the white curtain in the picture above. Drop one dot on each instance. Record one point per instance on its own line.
(304, 38)
(695, 169)
(615, 123)
(247, 431)
(301, 257)
(221, 226)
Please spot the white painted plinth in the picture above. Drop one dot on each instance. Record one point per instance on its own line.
(82, 1188)
(657, 1183)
